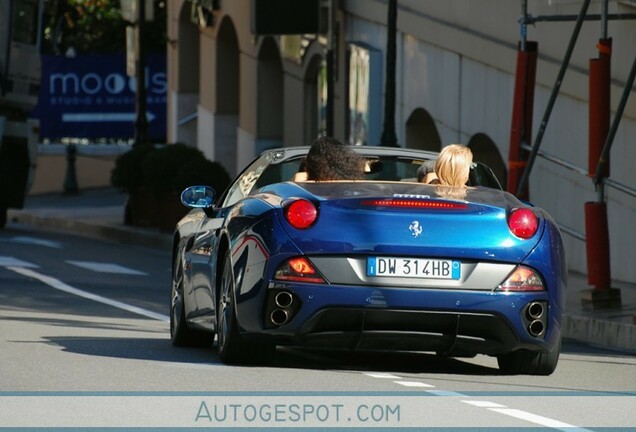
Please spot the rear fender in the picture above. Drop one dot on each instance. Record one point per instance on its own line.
(549, 259)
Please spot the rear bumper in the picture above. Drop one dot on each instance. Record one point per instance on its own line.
(407, 330)
(398, 319)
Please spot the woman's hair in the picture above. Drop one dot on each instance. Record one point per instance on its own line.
(453, 165)
(330, 159)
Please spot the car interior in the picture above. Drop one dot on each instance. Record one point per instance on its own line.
(376, 168)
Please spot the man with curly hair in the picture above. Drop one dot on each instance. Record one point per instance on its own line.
(330, 159)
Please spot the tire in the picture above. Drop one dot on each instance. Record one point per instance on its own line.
(530, 362)
(180, 333)
(233, 348)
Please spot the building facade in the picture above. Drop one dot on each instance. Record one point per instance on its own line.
(233, 93)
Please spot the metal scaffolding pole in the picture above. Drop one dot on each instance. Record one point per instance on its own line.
(598, 179)
(565, 18)
(523, 28)
(555, 91)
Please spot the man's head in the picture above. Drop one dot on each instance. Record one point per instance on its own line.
(330, 159)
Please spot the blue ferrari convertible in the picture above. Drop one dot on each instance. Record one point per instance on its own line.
(383, 263)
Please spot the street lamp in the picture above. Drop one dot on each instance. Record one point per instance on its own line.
(134, 13)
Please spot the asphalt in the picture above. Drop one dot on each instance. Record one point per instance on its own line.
(99, 213)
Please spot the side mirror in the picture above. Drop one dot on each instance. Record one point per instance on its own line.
(198, 197)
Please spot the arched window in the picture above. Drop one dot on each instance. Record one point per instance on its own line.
(421, 132)
(485, 151)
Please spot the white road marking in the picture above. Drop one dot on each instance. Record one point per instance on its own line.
(7, 261)
(446, 393)
(34, 241)
(484, 404)
(537, 419)
(413, 384)
(523, 415)
(106, 268)
(491, 406)
(59, 285)
(381, 375)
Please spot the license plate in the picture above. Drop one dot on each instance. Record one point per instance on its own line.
(413, 267)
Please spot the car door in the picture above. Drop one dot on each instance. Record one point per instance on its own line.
(204, 250)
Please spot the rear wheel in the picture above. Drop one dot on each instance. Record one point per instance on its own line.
(233, 348)
(180, 333)
(530, 362)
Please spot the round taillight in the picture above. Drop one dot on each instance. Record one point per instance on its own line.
(523, 223)
(301, 213)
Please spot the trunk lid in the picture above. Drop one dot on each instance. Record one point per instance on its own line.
(410, 219)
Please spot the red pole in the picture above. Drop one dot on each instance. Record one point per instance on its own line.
(599, 106)
(597, 245)
(522, 108)
(596, 228)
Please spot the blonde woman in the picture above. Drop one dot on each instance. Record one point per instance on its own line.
(453, 165)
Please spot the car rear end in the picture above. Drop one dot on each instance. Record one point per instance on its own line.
(400, 266)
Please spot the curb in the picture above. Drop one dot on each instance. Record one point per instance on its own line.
(96, 230)
(600, 333)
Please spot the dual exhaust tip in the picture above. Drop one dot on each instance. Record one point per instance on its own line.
(535, 313)
(280, 315)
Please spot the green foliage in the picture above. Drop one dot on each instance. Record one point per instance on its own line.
(126, 175)
(169, 168)
(203, 172)
(97, 27)
(160, 168)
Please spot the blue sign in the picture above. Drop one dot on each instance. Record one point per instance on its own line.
(92, 97)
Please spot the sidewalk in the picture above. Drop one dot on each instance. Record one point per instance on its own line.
(95, 213)
(99, 213)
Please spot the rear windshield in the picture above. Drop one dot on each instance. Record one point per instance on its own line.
(377, 168)
(265, 171)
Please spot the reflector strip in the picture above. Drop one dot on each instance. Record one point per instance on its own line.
(409, 203)
(294, 278)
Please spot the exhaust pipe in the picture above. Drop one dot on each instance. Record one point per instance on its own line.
(535, 311)
(279, 316)
(536, 328)
(284, 299)
(535, 318)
